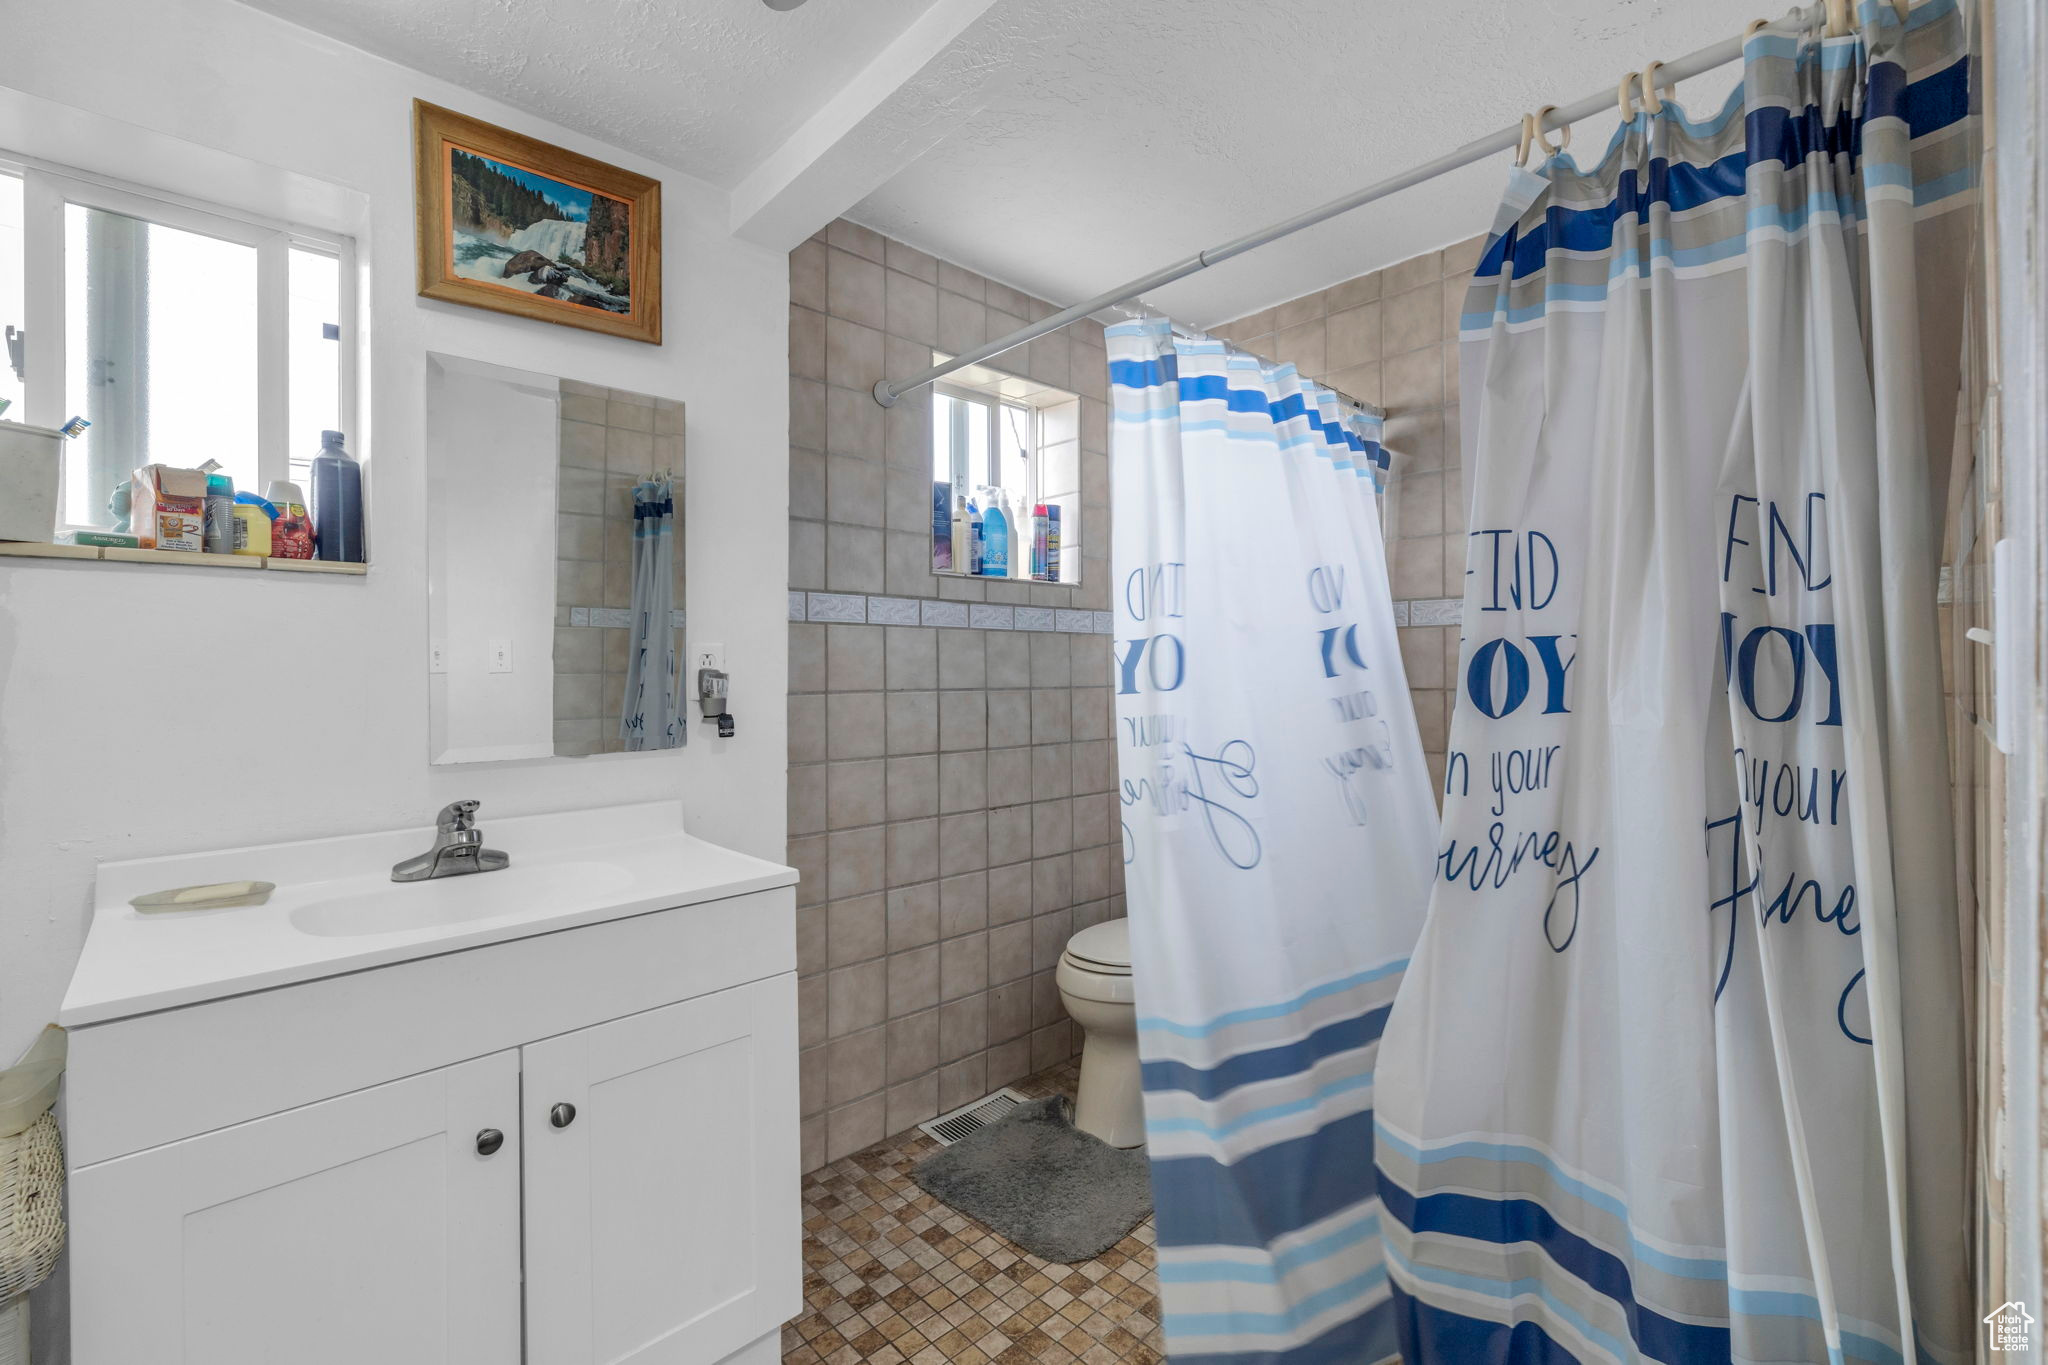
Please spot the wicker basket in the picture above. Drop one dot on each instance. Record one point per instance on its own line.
(31, 1186)
(31, 1205)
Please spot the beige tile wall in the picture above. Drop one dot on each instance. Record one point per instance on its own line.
(950, 789)
(950, 798)
(1391, 338)
(610, 439)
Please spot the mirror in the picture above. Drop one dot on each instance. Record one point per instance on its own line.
(554, 566)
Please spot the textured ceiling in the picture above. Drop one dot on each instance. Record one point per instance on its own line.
(707, 86)
(1147, 130)
(1063, 146)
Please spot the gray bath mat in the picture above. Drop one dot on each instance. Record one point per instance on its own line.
(1031, 1176)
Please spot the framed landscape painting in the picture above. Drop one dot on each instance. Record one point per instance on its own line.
(511, 223)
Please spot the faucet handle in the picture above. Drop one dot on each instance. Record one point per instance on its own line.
(458, 817)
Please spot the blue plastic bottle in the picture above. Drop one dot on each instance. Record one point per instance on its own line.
(995, 541)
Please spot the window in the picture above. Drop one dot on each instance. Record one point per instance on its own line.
(1009, 447)
(13, 282)
(181, 333)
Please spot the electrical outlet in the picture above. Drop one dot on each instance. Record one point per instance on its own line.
(437, 657)
(709, 656)
(501, 655)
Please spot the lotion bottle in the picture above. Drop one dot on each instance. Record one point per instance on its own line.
(1020, 539)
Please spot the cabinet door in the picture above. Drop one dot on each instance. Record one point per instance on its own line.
(662, 1220)
(364, 1228)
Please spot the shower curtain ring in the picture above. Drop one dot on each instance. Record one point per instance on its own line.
(1522, 143)
(1755, 27)
(1564, 132)
(1652, 101)
(1621, 96)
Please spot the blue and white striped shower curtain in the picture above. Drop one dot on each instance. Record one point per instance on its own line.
(1677, 1071)
(1278, 830)
(650, 711)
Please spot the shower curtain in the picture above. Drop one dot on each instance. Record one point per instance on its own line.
(1277, 836)
(650, 716)
(1677, 1072)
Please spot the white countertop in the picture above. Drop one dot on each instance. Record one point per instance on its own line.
(337, 910)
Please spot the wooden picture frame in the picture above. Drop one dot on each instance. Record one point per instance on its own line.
(521, 239)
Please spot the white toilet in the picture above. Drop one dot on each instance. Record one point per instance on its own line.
(1095, 985)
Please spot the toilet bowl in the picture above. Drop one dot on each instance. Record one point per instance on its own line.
(1094, 978)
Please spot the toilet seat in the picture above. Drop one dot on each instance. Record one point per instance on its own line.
(1097, 964)
(1103, 948)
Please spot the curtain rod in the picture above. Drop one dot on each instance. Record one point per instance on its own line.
(887, 391)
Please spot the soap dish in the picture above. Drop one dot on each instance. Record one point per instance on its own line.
(216, 896)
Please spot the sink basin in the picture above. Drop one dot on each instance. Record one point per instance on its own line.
(337, 911)
(395, 907)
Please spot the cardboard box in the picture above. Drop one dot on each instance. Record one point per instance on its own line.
(30, 460)
(169, 507)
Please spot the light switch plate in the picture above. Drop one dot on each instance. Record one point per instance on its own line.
(437, 657)
(501, 655)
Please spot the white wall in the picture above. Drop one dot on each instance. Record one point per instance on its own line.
(150, 711)
(492, 447)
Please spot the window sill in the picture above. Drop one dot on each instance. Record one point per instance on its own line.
(953, 577)
(184, 559)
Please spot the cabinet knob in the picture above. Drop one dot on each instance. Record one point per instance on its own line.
(562, 1115)
(489, 1141)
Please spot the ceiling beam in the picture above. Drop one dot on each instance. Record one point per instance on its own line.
(954, 58)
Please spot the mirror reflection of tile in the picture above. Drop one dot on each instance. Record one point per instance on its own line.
(611, 439)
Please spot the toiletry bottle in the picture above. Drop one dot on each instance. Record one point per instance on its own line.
(995, 537)
(977, 529)
(1052, 542)
(253, 516)
(963, 534)
(1038, 542)
(291, 531)
(337, 502)
(1020, 538)
(942, 526)
(218, 520)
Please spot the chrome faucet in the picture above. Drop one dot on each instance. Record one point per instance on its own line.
(458, 848)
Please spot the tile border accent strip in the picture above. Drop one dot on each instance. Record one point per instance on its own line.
(991, 616)
(1431, 611)
(617, 618)
(857, 609)
(844, 607)
(893, 611)
(847, 608)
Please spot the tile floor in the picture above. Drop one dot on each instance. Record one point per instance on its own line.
(894, 1277)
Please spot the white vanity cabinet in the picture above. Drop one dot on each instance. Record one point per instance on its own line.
(653, 1145)
(362, 1228)
(571, 1146)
